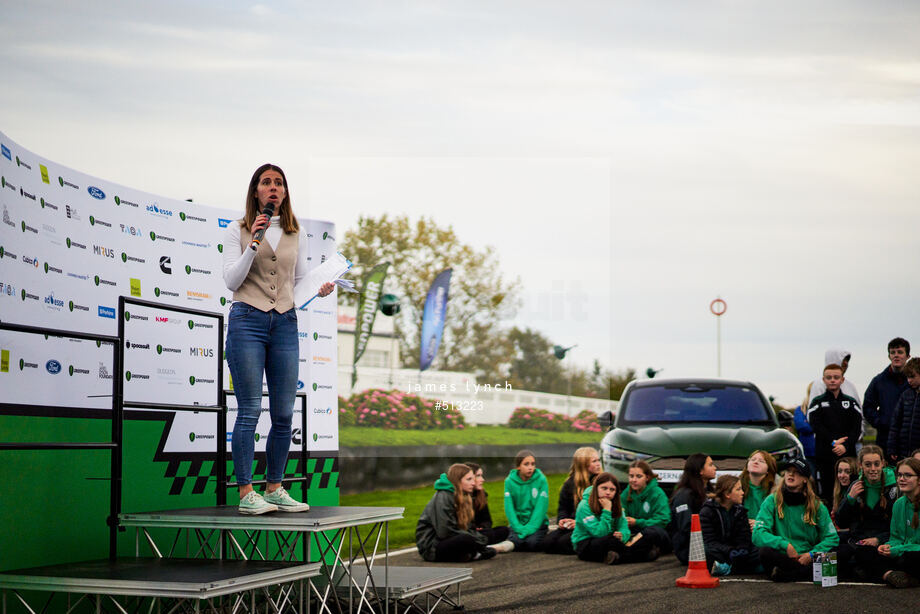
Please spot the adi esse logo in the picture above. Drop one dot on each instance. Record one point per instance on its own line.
(53, 303)
(156, 210)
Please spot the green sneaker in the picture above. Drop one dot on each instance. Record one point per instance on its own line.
(285, 503)
(253, 504)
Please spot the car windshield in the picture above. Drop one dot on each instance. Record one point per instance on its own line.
(694, 403)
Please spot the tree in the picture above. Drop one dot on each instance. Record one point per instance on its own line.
(479, 297)
(534, 367)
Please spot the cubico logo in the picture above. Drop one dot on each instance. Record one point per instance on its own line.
(166, 264)
(121, 201)
(322, 411)
(31, 261)
(96, 192)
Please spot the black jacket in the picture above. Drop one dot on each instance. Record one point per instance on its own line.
(904, 436)
(683, 506)
(566, 500)
(724, 530)
(831, 418)
(882, 395)
(869, 522)
(483, 518)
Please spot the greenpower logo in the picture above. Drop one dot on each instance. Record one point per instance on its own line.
(61, 181)
(220, 248)
(191, 325)
(182, 215)
(223, 301)
(70, 305)
(117, 200)
(156, 291)
(314, 386)
(159, 349)
(23, 294)
(96, 279)
(68, 242)
(188, 269)
(23, 224)
(124, 257)
(1, 252)
(315, 336)
(128, 375)
(315, 436)
(153, 236)
(191, 437)
(43, 202)
(258, 437)
(191, 380)
(70, 370)
(127, 316)
(92, 221)
(22, 364)
(46, 267)
(325, 236)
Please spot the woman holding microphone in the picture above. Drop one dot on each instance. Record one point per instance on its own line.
(265, 257)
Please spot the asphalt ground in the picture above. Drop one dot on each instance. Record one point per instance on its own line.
(546, 583)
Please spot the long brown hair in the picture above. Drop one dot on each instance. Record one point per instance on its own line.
(914, 464)
(649, 476)
(768, 480)
(288, 221)
(579, 473)
(692, 479)
(595, 502)
(811, 503)
(865, 451)
(724, 486)
(479, 495)
(463, 503)
(854, 471)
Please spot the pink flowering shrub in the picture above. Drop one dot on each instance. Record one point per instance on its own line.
(395, 409)
(543, 420)
(346, 413)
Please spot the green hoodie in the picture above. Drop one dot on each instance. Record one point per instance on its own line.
(588, 525)
(904, 538)
(771, 531)
(754, 499)
(649, 507)
(526, 502)
(874, 491)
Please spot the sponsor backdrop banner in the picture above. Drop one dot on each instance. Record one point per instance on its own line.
(70, 244)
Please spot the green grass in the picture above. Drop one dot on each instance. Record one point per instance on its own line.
(355, 436)
(402, 532)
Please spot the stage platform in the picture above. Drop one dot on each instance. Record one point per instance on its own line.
(319, 518)
(178, 580)
(412, 589)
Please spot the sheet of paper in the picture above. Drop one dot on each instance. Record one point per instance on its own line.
(334, 267)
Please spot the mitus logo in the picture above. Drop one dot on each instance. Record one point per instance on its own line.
(52, 302)
(103, 251)
(64, 182)
(166, 264)
(223, 222)
(6, 152)
(31, 261)
(106, 312)
(155, 236)
(133, 231)
(72, 213)
(201, 352)
(189, 217)
(53, 367)
(71, 243)
(26, 228)
(96, 192)
(6, 218)
(121, 201)
(157, 210)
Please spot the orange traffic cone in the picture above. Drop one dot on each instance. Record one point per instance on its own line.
(697, 575)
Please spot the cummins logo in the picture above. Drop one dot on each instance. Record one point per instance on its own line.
(166, 264)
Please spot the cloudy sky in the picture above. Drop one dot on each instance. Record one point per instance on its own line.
(628, 161)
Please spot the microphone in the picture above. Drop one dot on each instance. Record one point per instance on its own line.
(257, 238)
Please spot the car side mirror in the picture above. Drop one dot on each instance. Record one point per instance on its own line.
(786, 419)
(605, 420)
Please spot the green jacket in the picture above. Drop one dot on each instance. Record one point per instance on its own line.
(526, 502)
(754, 499)
(771, 531)
(649, 507)
(588, 525)
(904, 538)
(439, 521)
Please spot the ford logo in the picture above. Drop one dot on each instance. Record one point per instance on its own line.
(96, 192)
(53, 367)
(299, 384)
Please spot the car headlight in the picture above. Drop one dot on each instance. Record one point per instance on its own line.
(613, 453)
(787, 454)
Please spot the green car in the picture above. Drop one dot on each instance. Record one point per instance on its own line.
(663, 421)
